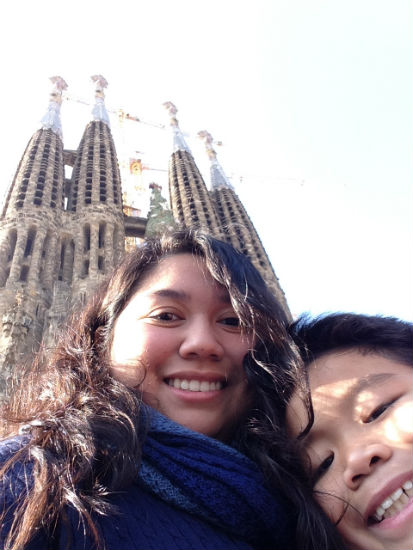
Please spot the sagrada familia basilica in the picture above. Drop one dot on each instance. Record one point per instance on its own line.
(59, 237)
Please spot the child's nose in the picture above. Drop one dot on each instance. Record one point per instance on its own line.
(362, 459)
(201, 341)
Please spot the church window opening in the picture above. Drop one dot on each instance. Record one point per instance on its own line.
(86, 238)
(12, 244)
(24, 272)
(100, 263)
(102, 231)
(85, 270)
(45, 250)
(29, 242)
(62, 261)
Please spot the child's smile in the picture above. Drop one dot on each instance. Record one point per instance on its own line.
(361, 446)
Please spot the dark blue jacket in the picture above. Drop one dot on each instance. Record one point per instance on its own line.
(145, 520)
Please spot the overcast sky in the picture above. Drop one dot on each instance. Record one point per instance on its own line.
(312, 100)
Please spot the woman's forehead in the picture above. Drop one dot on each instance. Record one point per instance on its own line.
(185, 272)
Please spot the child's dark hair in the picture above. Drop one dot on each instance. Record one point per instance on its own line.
(387, 336)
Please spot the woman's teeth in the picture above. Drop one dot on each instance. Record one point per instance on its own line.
(194, 385)
(395, 502)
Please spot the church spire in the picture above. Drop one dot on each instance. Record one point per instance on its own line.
(236, 224)
(99, 110)
(218, 177)
(190, 200)
(179, 143)
(51, 119)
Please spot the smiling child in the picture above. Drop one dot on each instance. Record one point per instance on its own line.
(352, 415)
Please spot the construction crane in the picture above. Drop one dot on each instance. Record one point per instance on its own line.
(121, 113)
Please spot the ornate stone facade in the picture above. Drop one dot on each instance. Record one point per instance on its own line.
(60, 237)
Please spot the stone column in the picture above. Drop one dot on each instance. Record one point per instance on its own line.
(36, 256)
(94, 248)
(109, 247)
(68, 261)
(18, 255)
(78, 257)
(50, 262)
(4, 252)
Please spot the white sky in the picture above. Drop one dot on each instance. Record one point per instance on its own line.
(312, 100)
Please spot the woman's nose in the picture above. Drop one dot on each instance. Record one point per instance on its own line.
(362, 459)
(200, 341)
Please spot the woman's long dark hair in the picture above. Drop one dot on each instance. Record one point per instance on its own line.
(85, 432)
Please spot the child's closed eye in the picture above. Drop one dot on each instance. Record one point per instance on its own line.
(378, 411)
(322, 468)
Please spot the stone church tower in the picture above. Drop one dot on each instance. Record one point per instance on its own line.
(235, 224)
(30, 238)
(219, 211)
(190, 200)
(60, 237)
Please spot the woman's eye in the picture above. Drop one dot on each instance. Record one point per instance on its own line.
(378, 411)
(322, 468)
(165, 316)
(230, 321)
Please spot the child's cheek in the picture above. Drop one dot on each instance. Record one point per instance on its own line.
(400, 429)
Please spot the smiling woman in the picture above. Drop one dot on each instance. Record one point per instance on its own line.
(154, 423)
(196, 376)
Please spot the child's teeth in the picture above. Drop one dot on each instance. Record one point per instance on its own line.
(380, 511)
(398, 493)
(395, 502)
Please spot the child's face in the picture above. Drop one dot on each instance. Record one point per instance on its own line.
(361, 446)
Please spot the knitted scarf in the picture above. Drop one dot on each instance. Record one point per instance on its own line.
(214, 482)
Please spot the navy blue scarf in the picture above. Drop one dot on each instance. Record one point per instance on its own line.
(215, 482)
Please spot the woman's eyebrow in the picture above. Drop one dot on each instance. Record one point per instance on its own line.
(222, 296)
(184, 296)
(171, 293)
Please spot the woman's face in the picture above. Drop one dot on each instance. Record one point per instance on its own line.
(361, 446)
(179, 340)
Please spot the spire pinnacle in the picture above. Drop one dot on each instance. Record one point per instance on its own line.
(51, 119)
(179, 143)
(99, 110)
(218, 177)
